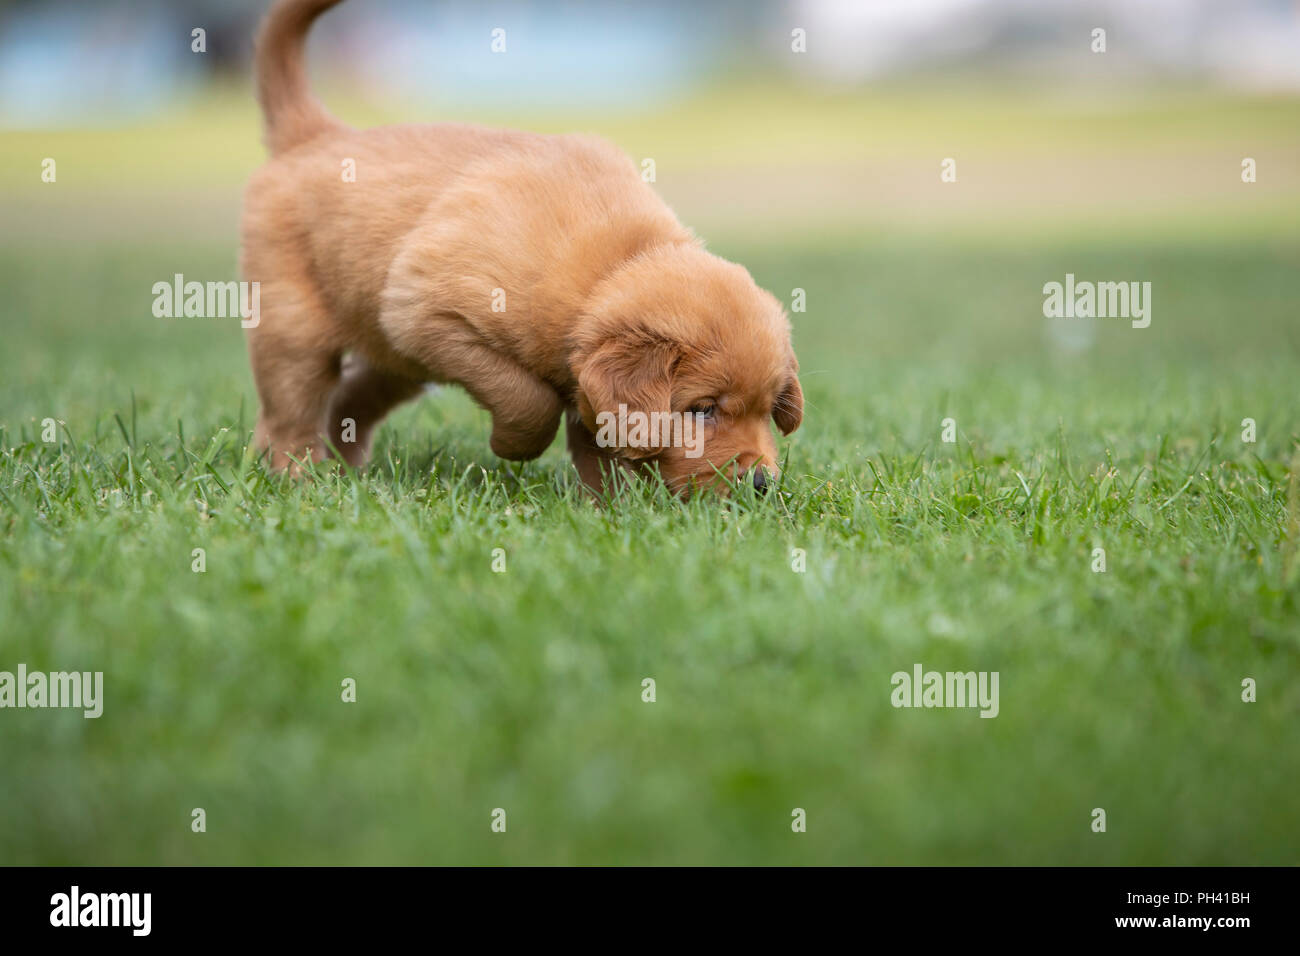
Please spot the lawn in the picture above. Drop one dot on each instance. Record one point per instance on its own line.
(522, 689)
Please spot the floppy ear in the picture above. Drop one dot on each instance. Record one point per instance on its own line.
(788, 410)
(631, 373)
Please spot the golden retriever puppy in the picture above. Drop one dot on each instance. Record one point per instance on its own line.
(538, 272)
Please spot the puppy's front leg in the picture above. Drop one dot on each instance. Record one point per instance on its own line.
(525, 410)
(595, 464)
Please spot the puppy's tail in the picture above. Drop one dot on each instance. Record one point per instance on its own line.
(292, 114)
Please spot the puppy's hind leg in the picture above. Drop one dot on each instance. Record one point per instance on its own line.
(364, 395)
(295, 363)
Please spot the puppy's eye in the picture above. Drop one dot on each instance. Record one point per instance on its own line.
(707, 409)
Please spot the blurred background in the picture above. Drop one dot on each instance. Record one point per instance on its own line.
(745, 132)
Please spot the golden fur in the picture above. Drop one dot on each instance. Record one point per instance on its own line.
(370, 289)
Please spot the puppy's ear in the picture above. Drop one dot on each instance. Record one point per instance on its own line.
(630, 372)
(788, 410)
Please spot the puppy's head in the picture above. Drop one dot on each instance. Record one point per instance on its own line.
(683, 364)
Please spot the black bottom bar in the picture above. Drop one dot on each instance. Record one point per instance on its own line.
(335, 905)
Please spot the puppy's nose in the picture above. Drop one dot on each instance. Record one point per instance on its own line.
(760, 480)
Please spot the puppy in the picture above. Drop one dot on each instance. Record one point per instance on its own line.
(538, 272)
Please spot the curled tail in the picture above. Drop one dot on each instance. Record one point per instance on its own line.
(292, 115)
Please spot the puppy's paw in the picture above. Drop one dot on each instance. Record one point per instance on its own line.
(284, 451)
(528, 428)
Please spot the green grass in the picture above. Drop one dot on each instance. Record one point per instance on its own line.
(522, 689)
